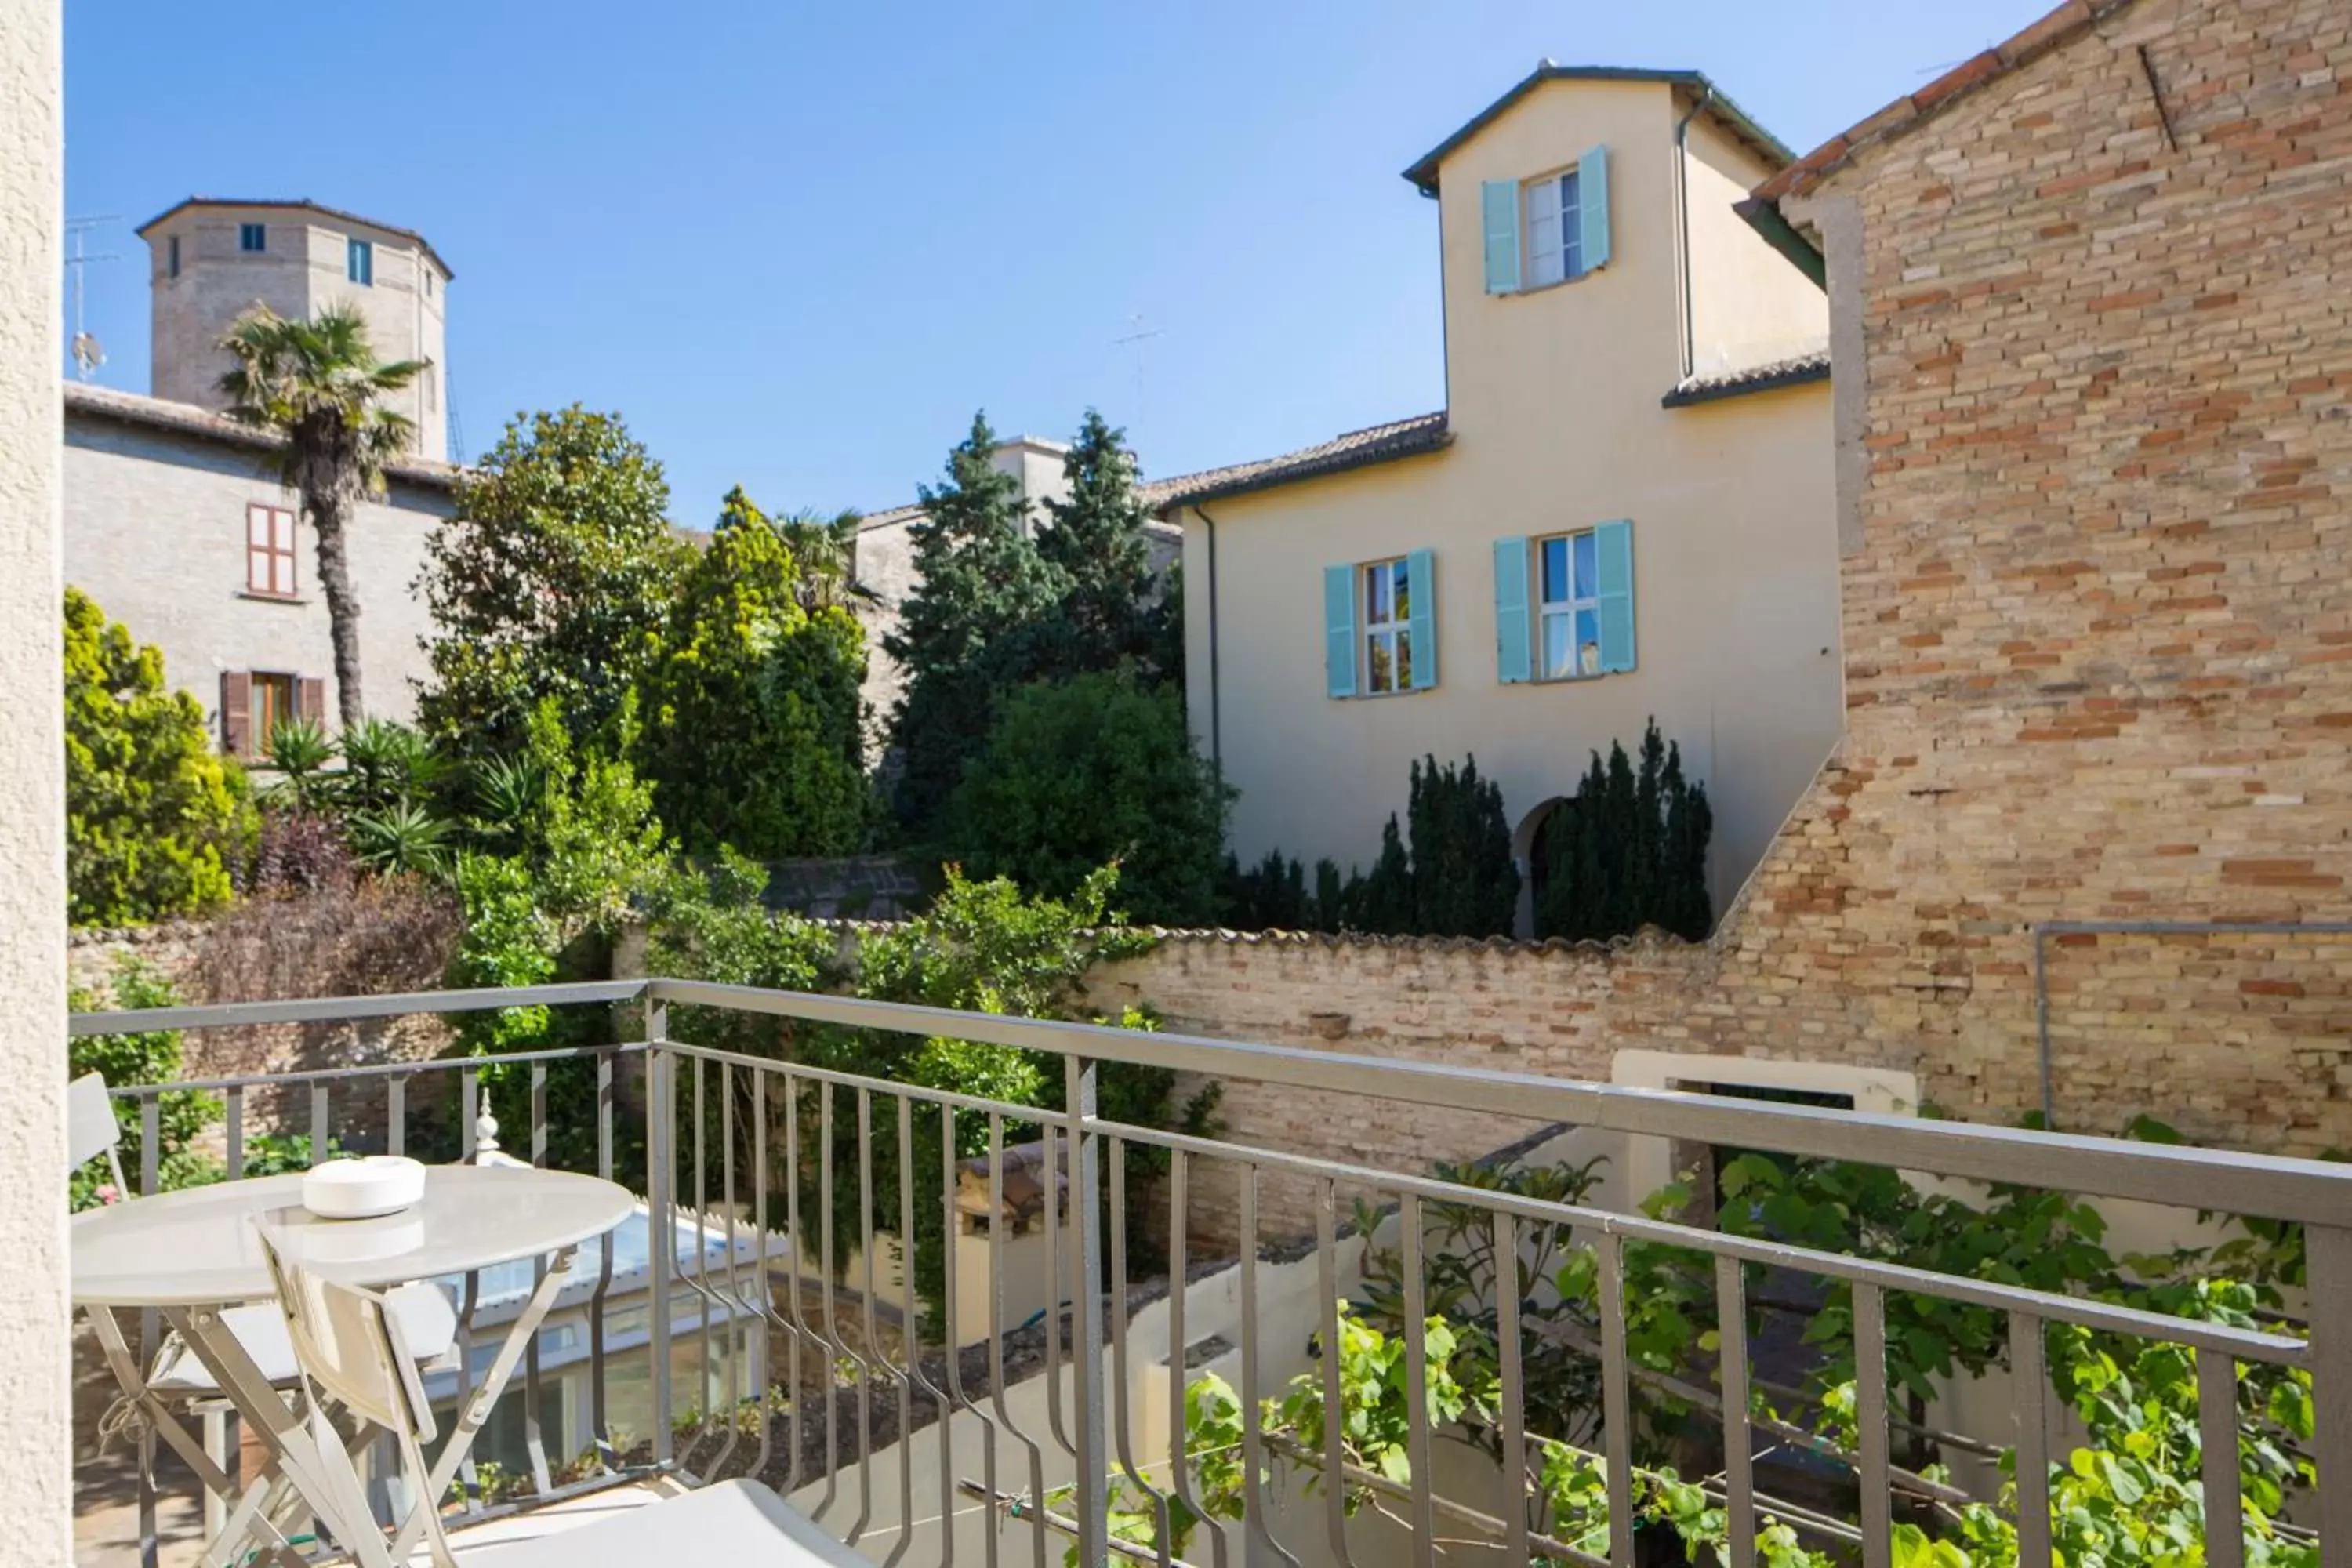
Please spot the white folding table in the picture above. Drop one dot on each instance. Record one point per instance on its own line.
(193, 1253)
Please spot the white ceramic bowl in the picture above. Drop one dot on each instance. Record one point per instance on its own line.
(363, 1188)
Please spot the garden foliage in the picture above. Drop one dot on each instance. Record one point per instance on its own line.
(155, 818)
(1628, 850)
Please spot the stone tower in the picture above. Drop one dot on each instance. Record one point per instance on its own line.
(211, 260)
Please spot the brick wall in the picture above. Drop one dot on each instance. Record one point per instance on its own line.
(2097, 637)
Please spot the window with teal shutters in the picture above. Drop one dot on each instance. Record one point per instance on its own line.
(1421, 620)
(1340, 630)
(1614, 548)
(1592, 206)
(1499, 202)
(361, 261)
(1513, 649)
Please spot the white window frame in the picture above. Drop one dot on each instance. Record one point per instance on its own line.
(1566, 608)
(1545, 202)
(1389, 634)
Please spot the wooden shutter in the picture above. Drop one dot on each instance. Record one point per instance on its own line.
(1592, 206)
(311, 699)
(237, 713)
(1420, 618)
(1499, 208)
(1613, 561)
(1514, 643)
(1340, 630)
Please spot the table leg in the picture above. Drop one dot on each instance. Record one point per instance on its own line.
(280, 1430)
(477, 1410)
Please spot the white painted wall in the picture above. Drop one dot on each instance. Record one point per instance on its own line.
(36, 1341)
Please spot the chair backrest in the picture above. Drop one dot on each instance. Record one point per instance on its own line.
(90, 1127)
(347, 1343)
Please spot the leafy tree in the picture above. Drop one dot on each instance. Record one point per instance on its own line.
(823, 549)
(553, 583)
(1093, 769)
(1111, 614)
(1628, 850)
(751, 703)
(319, 384)
(970, 632)
(153, 815)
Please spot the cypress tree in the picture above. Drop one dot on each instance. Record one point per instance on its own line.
(969, 631)
(1629, 849)
(1110, 613)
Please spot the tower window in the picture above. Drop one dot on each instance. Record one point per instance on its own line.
(432, 390)
(362, 263)
(172, 257)
(428, 282)
(252, 237)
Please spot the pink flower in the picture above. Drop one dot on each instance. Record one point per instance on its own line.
(108, 1194)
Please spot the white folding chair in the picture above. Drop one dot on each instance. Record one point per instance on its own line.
(429, 1322)
(348, 1345)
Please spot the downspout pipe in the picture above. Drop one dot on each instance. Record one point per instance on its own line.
(1704, 95)
(1216, 705)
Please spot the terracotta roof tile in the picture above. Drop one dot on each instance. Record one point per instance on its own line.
(187, 419)
(1356, 449)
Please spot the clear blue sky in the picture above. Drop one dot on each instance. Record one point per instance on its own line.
(797, 244)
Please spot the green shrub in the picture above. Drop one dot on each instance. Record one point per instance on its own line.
(155, 816)
(1629, 851)
(149, 1057)
(1079, 773)
(752, 706)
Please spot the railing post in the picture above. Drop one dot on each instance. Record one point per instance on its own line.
(661, 1225)
(2327, 1274)
(1092, 1504)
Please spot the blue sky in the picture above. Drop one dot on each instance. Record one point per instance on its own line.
(796, 245)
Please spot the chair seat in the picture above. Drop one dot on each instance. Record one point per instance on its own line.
(729, 1521)
(427, 1322)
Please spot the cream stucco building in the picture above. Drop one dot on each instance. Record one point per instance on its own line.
(173, 522)
(1624, 509)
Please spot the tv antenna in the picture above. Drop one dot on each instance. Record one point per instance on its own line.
(87, 353)
(1136, 339)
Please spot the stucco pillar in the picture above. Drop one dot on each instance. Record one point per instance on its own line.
(35, 1337)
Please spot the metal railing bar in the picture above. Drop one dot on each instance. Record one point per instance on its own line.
(2271, 1187)
(1512, 1418)
(949, 1298)
(1179, 1208)
(534, 1437)
(798, 1333)
(996, 1325)
(2217, 1427)
(395, 1114)
(1256, 1524)
(2030, 1392)
(340, 1010)
(1731, 1358)
(733, 1330)
(1870, 1421)
(1549, 1545)
(763, 1307)
(2247, 1344)
(1416, 1383)
(1123, 1441)
(661, 1219)
(150, 1324)
(319, 1123)
(234, 1115)
(2327, 1268)
(979, 1104)
(867, 1352)
(599, 1427)
(828, 1263)
(1616, 1399)
(373, 1070)
(1056, 1209)
(910, 1329)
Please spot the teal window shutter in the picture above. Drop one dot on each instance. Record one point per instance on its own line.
(1500, 200)
(1592, 206)
(1420, 618)
(1613, 550)
(1340, 630)
(1514, 648)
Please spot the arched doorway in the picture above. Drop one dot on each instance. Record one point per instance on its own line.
(1531, 853)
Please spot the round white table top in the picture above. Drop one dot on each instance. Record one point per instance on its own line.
(200, 1246)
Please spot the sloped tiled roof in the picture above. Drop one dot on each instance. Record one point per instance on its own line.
(187, 419)
(2053, 30)
(1713, 101)
(1793, 372)
(1356, 449)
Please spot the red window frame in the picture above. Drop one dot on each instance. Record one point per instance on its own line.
(269, 551)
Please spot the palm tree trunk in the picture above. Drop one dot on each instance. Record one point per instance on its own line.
(328, 515)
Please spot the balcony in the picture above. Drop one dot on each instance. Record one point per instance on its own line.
(925, 1318)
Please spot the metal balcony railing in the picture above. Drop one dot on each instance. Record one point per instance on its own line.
(781, 1183)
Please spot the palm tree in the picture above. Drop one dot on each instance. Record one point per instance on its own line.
(319, 384)
(824, 548)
